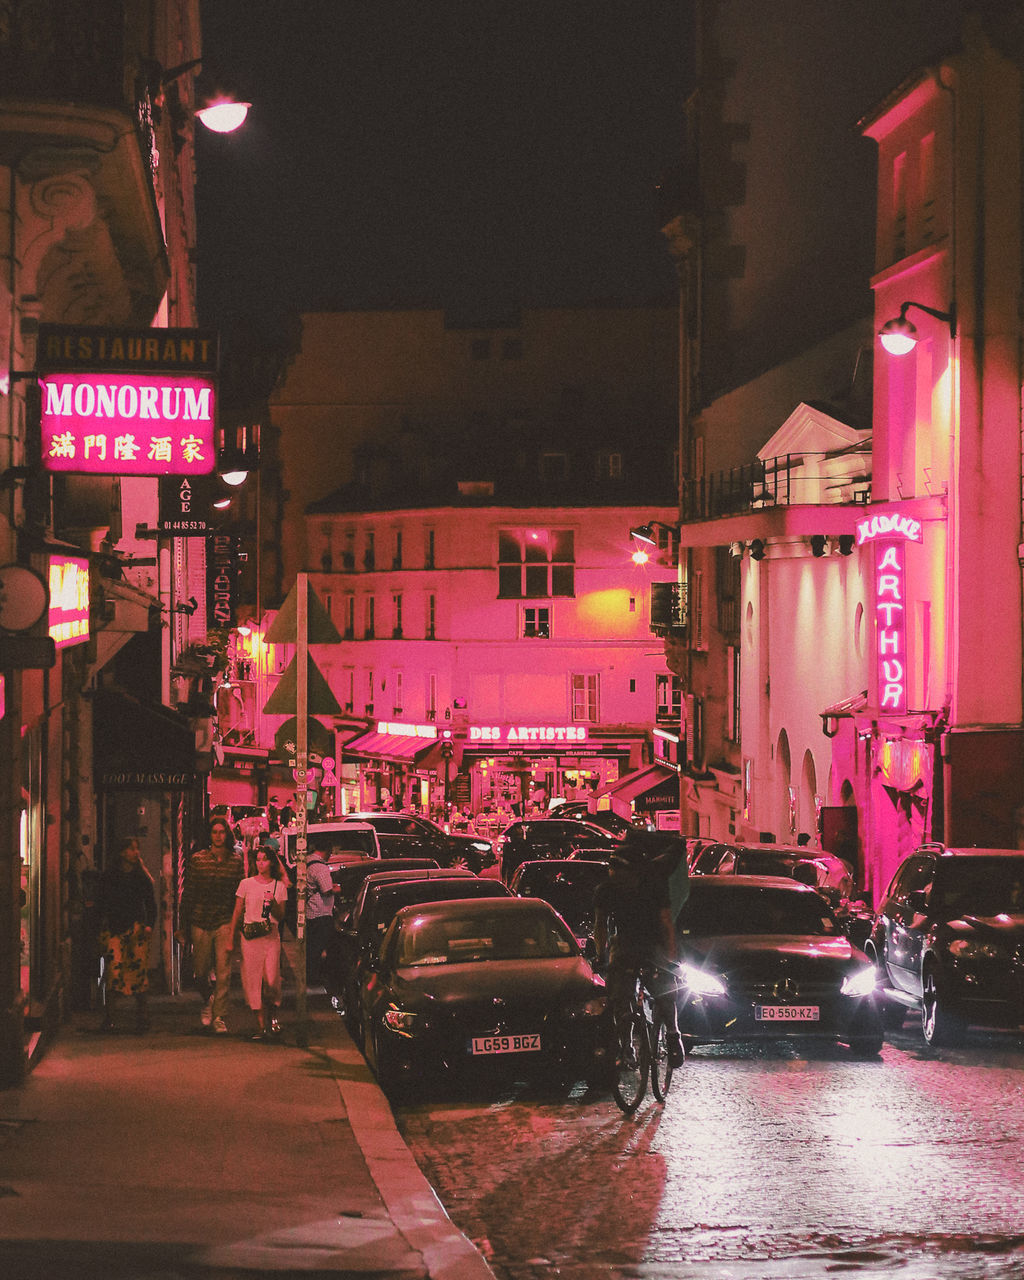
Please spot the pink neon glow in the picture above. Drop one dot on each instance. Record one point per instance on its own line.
(68, 619)
(128, 424)
(890, 626)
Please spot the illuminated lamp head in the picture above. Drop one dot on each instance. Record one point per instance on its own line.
(640, 556)
(224, 116)
(899, 336)
(234, 478)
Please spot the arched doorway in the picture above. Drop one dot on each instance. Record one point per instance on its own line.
(807, 815)
(785, 802)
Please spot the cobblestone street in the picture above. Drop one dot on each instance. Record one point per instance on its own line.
(760, 1165)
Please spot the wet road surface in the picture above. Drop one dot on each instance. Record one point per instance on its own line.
(766, 1162)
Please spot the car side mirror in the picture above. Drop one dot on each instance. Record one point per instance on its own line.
(917, 901)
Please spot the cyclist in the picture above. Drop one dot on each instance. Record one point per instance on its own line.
(633, 925)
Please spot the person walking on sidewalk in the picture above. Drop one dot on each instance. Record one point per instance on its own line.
(207, 906)
(127, 913)
(259, 908)
(320, 891)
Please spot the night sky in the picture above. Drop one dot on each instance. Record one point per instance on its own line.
(456, 153)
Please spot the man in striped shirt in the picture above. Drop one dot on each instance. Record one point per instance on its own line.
(207, 904)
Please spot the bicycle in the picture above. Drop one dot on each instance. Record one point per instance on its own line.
(641, 1049)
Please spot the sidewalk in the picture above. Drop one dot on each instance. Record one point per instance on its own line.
(183, 1154)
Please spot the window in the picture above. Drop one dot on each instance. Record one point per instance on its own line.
(348, 553)
(609, 466)
(697, 610)
(430, 630)
(349, 618)
(396, 559)
(369, 693)
(348, 687)
(326, 557)
(428, 548)
(585, 699)
(536, 624)
(431, 696)
(668, 699)
(329, 606)
(535, 563)
(512, 349)
(369, 624)
(397, 682)
(396, 605)
(554, 466)
(732, 722)
(928, 188)
(370, 554)
(899, 205)
(480, 349)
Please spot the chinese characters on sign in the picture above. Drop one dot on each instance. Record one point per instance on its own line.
(128, 425)
(68, 620)
(127, 402)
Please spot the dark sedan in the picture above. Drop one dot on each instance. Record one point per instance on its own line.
(380, 898)
(948, 940)
(762, 957)
(534, 838)
(487, 986)
(568, 885)
(412, 835)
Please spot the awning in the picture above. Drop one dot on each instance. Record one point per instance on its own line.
(138, 746)
(653, 784)
(393, 747)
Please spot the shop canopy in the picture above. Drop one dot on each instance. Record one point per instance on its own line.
(391, 747)
(654, 784)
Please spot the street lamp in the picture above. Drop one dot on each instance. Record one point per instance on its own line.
(899, 336)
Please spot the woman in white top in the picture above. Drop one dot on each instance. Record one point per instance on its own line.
(259, 906)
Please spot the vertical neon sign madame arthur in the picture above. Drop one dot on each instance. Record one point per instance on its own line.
(889, 535)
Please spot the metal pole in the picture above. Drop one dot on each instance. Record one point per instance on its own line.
(301, 754)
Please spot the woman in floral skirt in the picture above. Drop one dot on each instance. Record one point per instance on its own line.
(127, 913)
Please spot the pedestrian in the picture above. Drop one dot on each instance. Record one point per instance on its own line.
(127, 913)
(259, 909)
(207, 906)
(320, 891)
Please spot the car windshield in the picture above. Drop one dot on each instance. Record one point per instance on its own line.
(753, 911)
(979, 886)
(456, 939)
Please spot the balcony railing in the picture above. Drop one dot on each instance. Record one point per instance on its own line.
(790, 479)
(669, 608)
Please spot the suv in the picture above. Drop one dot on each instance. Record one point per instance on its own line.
(534, 838)
(338, 842)
(821, 870)
(411, 835)
(948, 940)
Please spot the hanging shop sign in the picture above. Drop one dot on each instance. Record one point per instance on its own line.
(888, 528)
(902, 762)
(526, 735)
(891, 626)
(221, 580)
(186, 507)
(399, 728)
(68, 619)
(126, 402)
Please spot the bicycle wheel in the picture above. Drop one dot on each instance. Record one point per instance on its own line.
(633, 1065)
(661, 1069)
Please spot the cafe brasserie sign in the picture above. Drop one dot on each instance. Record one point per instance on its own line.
(127, 402)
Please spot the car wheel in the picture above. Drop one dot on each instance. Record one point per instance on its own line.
(866, 1046)
(939, 1026)
(459, 862)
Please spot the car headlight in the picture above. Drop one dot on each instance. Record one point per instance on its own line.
(592, 1008)
(700, 982)
(972, 949)
(482, 845)
(861, 983)
(399, 1020)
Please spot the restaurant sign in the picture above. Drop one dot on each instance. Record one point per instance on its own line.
(520, 735)
(126, 402)
(68, 619)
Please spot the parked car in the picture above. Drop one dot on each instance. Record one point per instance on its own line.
(412, 835)
(821, 870)
(485, 986)
(348, 879)
(948, 941)
(338, 842)
(568, 885)
(532, 838)
(380, 897)
(762, 957)
(606, 818)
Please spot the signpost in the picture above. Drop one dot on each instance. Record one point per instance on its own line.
(311, 625)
